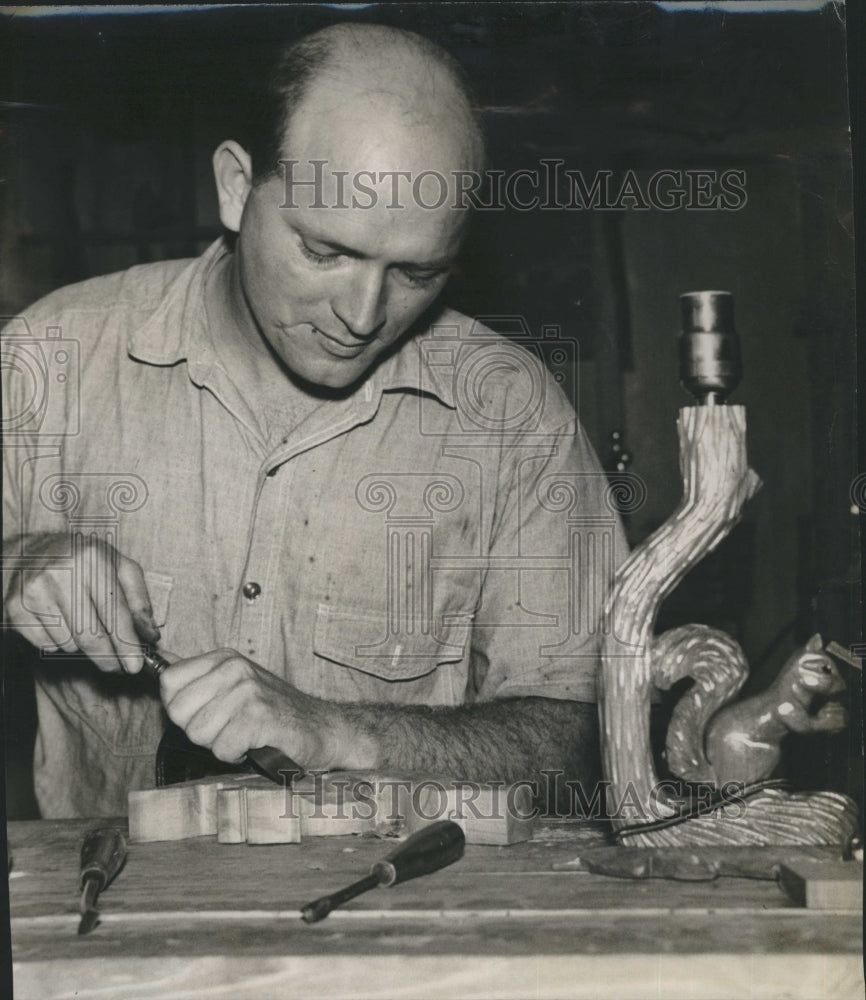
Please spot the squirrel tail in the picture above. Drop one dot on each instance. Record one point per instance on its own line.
(719, 668)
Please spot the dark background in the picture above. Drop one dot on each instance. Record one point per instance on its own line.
(108, 122)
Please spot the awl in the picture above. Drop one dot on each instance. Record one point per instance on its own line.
(426, 851)
(102, 855)
(269, 761)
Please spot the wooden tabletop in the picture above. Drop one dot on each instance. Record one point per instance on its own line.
(196, 919)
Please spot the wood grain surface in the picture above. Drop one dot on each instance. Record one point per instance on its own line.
(195, 918)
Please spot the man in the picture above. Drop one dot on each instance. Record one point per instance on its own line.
(334, 516)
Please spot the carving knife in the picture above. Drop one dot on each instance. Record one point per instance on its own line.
(269, 761)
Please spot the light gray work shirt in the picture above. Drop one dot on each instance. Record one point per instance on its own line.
(443, 535)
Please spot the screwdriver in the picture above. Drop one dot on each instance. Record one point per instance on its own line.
(102, 855)
(428, 850)
(266, 760)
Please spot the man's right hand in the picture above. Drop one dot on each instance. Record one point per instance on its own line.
(98, 606)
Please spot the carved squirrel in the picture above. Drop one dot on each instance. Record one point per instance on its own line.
(712, 737)
(743, 739)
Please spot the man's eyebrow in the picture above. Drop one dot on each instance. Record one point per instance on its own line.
(433, 265)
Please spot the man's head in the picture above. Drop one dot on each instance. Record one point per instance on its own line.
(332, 273)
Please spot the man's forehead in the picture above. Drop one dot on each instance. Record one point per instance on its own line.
(372, 131)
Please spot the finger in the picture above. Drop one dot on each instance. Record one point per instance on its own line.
(114, 631)
(207, 723)
(99, 648)
(30, 603)
(46, 629)
(131, 577)
(189, 684)
(230, 745)
(55, 639)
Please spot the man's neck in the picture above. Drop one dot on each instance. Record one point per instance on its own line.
(278, 402)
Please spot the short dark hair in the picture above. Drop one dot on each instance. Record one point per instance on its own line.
(295, 68)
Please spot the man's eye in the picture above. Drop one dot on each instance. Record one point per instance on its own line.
(323, 259)
(421, 278)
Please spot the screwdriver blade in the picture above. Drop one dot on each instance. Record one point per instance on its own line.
(89, 920)
(87, 907)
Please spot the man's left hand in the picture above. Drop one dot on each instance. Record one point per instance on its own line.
(229, 704)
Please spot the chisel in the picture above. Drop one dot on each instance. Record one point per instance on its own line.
(269, 761)
(102, 855)
(426, 851)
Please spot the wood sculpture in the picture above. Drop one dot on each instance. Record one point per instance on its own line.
(737, 744)
(743, 740)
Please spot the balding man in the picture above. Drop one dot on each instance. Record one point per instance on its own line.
(335, 518)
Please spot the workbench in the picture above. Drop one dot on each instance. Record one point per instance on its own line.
(199, 919)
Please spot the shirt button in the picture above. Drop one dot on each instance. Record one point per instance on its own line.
(251, 591)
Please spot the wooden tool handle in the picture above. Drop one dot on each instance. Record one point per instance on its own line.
(102, 855)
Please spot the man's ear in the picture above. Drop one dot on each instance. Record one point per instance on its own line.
(233, 172)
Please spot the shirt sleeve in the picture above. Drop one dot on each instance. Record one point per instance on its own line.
(556, 543)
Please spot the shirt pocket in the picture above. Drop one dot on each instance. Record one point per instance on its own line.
(362, 653)
(159, 587)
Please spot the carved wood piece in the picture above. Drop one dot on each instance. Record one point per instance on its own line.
(250, 809)
(177, 812)
(744, 739)
(487, 814)
(716, 483)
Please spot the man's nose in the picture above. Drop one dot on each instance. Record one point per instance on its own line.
(360, 301)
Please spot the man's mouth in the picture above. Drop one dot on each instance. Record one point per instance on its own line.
(339, 348)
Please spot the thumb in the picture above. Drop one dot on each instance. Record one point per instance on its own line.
(131, 579)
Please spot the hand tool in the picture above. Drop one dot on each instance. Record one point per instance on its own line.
(102, 855)
(426, 851)
(698, 864)
(269, 761)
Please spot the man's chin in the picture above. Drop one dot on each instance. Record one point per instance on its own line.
(326, 380)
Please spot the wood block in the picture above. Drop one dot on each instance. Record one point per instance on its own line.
(824, 885)
(336, 804)
(187, 809)
(232, 815)
(352, 802)
(488, 814)
(249, 809)
(268, 821)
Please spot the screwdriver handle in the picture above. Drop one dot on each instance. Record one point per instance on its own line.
(428, 850)
(102, 855)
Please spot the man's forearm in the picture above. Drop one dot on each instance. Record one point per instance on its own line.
(510, 740)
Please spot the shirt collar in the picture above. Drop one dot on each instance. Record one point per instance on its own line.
(177, 331)
(414, 365)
